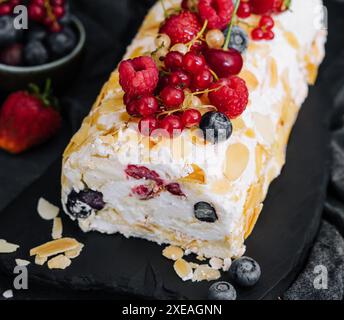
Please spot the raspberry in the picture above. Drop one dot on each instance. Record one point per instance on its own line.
(217, 12)
(231, 98)
(139, 76)
(182, 27)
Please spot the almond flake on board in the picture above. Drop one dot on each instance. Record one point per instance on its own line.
(22, 263)
(204, 272)
(57, 229)
(7, 247)
(46, 210)
(216, 263)
(8, 294)
(173, 253)
(183, 269)
(72, 254)
(55, 247)
(40, 261)
(59, 262)
(227, 262)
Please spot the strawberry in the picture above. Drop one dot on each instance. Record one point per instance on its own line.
(28, 119)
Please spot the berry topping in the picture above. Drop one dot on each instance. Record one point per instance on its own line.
(191, 117)
(62, 43)
(269, 6)
(172, 124)
(266, 22)
(193, 62)
(140, 172)
(12, 55)
(244, 10)
(173, 61)
(245, 272)
(218, 13)
(147, 106)
(202, 80)
(180, 79)
(148, 125)
(257, 34)
(175, 189)
(172, 97)
(35, 53)
(131, 108)
(224, 62)
(182, 27)
(139, 76)
(216, 127)
(80, 205)
(205, 212)
(144, 192)
(222, 291)
(215, 39)
(238, 39)
(8, 34)
(231, 97)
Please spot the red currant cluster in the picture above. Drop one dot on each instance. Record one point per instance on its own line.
(47, 12)
(6, 6)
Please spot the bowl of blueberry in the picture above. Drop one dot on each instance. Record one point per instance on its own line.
(49, 46)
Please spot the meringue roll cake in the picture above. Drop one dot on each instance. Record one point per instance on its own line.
(142, 164)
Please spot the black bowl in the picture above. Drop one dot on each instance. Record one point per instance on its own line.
(60, 71)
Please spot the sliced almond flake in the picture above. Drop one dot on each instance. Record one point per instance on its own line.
(72, 254)
(183, 269)
(59, 262)
(57, 229)
(173, 253)
(22, 263)
(46, 210)
(200, 258)
(55, 247)
(216, 263)
(8, 294)
(193, 265)
(227, 262)
(40, 261)
(204, 272)
(7, 247)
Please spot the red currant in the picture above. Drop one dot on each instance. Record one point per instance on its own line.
(36, 12)
(148, 125)
(262, 6)
(191, 117)
(59, 12)
(202, 80)
(57, 2)
(172, 124)
(266, 22)
(269, 35)
(132, 108)
(257, 34)
(172, 97)
(55, 27)
(173, 61)
(244, 10)
(40, 3)
(193, 62)
(180, 79)
(147, 106)
(5, 9)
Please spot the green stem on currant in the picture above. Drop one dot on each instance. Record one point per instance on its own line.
(199, 35)
(230, 26)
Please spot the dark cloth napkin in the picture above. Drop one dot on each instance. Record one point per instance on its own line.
(110, 26)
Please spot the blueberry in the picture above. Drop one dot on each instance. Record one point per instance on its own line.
(245, 272)
(36, 32)
(62, 43)
(35, 53)
(239, 39)
(8, 34)
(216, 127)
(222, 291)
(80, 205)
(205, 212)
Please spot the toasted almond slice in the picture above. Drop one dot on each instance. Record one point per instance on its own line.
(22, 263)
(46, 210)
(59, 262)
(40, 261)
(55, 247)
(8, 294)
(216, 263)
(6, 247)
(193, 265)
(204, 272)
(173, 253)
(57, 229)
(237, 158)
(183, 269)
(227, 262)
(72, 254)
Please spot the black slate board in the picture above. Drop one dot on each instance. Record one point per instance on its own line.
(113, 267)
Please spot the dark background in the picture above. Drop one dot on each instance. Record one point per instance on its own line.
(110, 26)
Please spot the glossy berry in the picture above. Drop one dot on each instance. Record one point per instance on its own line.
(193, 62)
(215, 39)
(202, 79)
(36, 12)
(131, 107)
(59, 11)
(269, 35)
(172, 97)
(191, 118)
(180, 47)
(182, 27)
(139, 76)
(12, 55)
(179, 79)
(245, 272)
(261, 7)
(244, 10)
(173, 61)
(224, 62)
(62, 43)
(163, 41)
(257, 34)
(8, 34)
(80, 205)
(230, 96)
(218, 13)
(35, 53)
(216, 127)
(266, 22)
(238, 39)
(5, 9)
(147, 106)
(205, 212)
(148, 125)
(172, 125)
(222, 291)
(36, 32)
